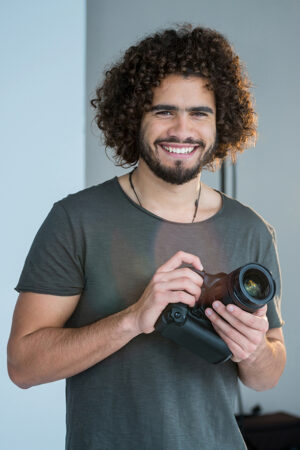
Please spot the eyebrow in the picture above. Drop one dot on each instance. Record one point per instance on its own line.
(175, 108)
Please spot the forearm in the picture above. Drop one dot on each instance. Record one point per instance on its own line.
(262, 370)
(50, 354)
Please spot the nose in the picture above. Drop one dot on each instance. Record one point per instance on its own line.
(180, 127)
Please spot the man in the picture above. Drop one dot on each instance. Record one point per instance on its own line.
(109, 259)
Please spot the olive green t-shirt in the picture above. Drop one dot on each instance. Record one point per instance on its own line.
(152, 393)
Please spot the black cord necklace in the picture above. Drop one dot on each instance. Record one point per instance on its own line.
(137, 197)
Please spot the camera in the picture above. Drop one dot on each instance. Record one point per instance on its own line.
(249, 287)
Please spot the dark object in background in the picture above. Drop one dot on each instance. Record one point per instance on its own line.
(250, 287)
(278, 431)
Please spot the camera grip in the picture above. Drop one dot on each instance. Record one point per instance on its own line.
(196, 334)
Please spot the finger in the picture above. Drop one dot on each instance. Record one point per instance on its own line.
(181, 284)
(184, 272)
(261, 311)
(182, 297)
(179, 258)
(257, 323)
(250, 320)
(238, 353)
(246, 340)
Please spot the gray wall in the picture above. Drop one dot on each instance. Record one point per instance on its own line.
(266, 36)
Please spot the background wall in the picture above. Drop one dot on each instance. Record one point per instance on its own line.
(42, 112)
(42, 160)
(266, 35)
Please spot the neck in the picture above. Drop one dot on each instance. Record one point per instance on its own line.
(173, 202)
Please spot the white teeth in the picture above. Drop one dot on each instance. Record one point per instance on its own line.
(181, 150)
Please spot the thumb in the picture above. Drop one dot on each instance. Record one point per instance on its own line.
(261, 311)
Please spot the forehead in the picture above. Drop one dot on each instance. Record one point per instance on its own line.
(179, 90)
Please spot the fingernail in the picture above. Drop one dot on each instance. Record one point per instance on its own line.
(230, 308)
(216, 304)
(208, 312)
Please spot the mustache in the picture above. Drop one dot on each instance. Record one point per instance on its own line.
(175, 140)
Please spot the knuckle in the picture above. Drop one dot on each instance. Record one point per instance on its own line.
(182, 296)
(186, 272)
(252, 321)
(244, 354)
(185, 282)
(231, 333)
(187, 298)
(157, 293)
(156, 277)
(215, 319)
(252, 347)
(256, 340)
(193, 301)
(156, 288)
(266, 325)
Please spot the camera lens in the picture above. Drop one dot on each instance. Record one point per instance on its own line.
(256, 284)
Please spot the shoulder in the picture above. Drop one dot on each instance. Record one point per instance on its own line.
(87, 208)
(89, 200)
(245, 216)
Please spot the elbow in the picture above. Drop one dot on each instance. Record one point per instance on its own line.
(259, 387)
(270, 383)
(265, 387)
(17, 377)
(15, 368)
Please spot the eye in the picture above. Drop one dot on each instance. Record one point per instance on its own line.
(199, 114)
(163, 113)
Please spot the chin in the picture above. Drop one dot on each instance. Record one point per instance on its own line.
(174, 175)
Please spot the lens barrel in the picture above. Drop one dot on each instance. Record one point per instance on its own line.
(251, 286)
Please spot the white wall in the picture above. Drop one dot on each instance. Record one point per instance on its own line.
(42, 120)
(266, 35)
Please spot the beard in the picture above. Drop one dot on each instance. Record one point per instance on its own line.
(177, 174)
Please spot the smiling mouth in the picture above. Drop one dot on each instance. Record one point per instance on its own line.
(185, 150)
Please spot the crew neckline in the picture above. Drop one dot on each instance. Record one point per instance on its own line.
(149, 213)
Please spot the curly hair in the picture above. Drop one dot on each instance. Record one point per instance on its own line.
(127, 91)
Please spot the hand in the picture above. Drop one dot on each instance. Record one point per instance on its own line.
(168, 285)
(243, 332)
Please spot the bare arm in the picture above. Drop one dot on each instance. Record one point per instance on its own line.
(264, 367)
(40, 350)
(259, 352)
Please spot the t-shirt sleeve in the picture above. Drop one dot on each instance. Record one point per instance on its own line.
(271, 261)
(54, 264)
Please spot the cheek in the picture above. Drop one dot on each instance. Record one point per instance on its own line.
(208, 132)
(154, 131)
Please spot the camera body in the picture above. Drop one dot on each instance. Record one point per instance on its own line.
(249, 287)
